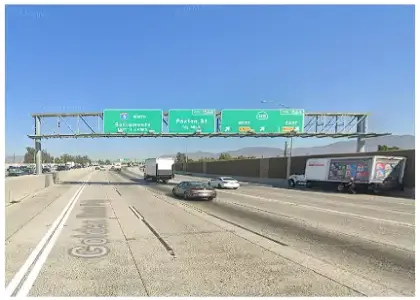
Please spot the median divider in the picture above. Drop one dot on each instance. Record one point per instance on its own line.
(18, 188)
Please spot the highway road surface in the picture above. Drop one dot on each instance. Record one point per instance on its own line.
(113, 234)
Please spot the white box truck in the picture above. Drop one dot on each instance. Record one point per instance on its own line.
(117, 167)
(159, 169)
(374, 173)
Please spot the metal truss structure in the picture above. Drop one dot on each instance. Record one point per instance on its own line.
(90, 125)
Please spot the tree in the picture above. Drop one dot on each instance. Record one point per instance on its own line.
(48, 158)
(29, 157)
(107, 162)
(180, 158)
(225, 156)
(385, 148)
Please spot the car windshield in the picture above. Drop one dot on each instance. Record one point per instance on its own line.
(228, 179)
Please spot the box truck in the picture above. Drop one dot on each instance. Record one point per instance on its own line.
(159, 169)
(372, 173)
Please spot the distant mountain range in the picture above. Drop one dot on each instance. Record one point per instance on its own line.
(400, 141)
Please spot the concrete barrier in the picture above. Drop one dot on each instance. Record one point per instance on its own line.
(70, 175)
(18, 188)
(275, 167)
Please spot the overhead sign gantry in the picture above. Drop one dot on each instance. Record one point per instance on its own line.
(203, 123)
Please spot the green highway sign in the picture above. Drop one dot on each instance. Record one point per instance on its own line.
(262, 120)
(132, 121)
(192, 120)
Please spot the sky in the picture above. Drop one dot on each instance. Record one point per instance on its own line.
(316, 58)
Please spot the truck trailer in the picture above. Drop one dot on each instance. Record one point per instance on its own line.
(159, 169)
(372, 173)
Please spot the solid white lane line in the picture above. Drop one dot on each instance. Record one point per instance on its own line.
(317, 200)
(37, 252)
(322, 209)
(30, 279)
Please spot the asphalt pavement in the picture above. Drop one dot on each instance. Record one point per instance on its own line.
(114, 234)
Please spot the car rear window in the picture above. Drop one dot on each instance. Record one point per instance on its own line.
(197, 184)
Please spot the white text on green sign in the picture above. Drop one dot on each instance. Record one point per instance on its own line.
(262, 121)
(192, 121)
(132, 121)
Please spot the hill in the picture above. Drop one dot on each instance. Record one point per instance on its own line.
(401, 141)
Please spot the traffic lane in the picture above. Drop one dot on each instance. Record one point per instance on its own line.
(391, 203)
(165, 217)
(367, 203)
(366, 200)
(381, 230)
(381, 263)
(316, 203)
(210, 261)
(90, 256)
(318, 200)
(27, 222)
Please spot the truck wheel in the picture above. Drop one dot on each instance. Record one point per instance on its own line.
(340, 187)
(292, 183)
(375, 190)
(352, 190)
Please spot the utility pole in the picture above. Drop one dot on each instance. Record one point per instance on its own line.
(285, 149)
(289, 159)
(186, 158)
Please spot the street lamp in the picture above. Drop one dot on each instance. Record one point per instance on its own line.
(288, 153)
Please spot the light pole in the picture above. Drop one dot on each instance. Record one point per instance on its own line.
(186, 157)
(289, 153)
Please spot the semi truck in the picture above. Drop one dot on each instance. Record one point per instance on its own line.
(159, 169)
(371, 173)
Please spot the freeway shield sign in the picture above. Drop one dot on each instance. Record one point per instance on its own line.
(262, 121)
(132, 121)
(192, 120)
